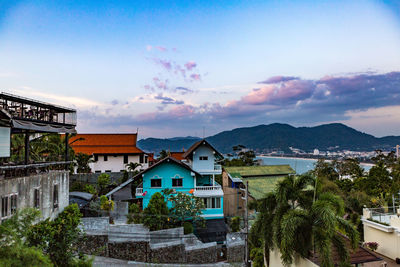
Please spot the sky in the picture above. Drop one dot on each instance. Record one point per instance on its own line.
(180, 68)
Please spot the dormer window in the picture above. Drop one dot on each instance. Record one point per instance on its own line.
(203, 158)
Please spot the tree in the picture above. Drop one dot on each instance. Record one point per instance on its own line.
(186, 207)
(163, 154)
(82, 163)
(134, 214)
(326, 169)
(303, 220)
(59, 238)
(156, 214)
(132, 166)
(103, 181)
(14, 251)
(107, 205)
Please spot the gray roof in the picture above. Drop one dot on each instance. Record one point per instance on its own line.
(83, 195)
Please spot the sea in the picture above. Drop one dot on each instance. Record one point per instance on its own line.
(300, 165)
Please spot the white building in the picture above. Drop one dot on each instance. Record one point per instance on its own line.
(111, 152)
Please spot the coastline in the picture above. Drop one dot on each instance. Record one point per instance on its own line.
(309, 159)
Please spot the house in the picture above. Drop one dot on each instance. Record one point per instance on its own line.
(111, 152)
(382, 225)
(261, 179)
(23, 182)
(195, 174)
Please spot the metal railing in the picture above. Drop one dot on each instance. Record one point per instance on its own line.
(13, 171)
(217, 167)
(383, 214)
(208, 188)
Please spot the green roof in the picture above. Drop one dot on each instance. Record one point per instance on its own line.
(264, 170)
(259, 186)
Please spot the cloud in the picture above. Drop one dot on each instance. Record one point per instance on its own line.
(161, 48)
(278, 79)
(183, 90)
(165, 100)
(165, 64)
(195, 77)
(190, 65)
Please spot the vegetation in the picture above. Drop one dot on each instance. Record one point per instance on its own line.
(156, 214)
(187, 228)
(235, 224)
(103, 182)
(82, 163)
(134, 214)
(107, 205)
(240, 157)
(303, 219)
(186, 207)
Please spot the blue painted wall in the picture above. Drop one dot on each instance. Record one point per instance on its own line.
(199, 165)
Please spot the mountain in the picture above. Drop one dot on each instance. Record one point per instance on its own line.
(276, 136)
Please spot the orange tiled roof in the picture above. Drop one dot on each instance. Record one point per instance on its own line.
(105, 144)
(177, 155)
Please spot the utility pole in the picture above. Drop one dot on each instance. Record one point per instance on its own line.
(246, 224)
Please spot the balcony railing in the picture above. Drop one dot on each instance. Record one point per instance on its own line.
(208, 188)
(217, 167)
(139, 190)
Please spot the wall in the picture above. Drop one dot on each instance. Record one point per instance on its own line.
(388, 242)
(91, 178)
(202, 165)
(24, 187)
(166, 171)
(115, 163)
(233, 204)
(275, 261)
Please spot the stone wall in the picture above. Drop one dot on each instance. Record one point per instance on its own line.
(135, 242)
(24, 188)
(235, 247)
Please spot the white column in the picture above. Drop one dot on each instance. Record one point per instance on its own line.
(213, 179)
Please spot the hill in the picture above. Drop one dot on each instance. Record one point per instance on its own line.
(276, 136)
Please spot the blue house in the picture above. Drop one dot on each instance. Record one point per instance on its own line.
(195, 174)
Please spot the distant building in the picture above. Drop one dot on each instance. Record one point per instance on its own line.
(25, 183)
(111, 152)
(261, 179)
(316, 152)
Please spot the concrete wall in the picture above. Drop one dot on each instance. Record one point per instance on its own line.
(386, 237)
(24, 187)
(275, 261)
(91, 178)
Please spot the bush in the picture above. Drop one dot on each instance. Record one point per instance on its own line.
(156, 213)
(187, 228)
(235, 224)
(134, 215)
(90, 189)
(103, 181)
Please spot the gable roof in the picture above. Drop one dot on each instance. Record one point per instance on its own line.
(105, 144)
(190, 151)
(165, 160)
(263, 170)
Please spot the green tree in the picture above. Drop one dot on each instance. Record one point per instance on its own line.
(14, 251)
(59, 238)
(156, 214)
(134, 214)
(132, 166)
(163, 154)
(326, 169)
(186, 207)
(103, 181)
(303, 220)
(107, 205)
(82, 163)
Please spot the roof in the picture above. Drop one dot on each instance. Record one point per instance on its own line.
(263, 170)
(197, 144)
(83, 195)
(259, 186)
(167, 159)
(360, 255)
(105, 144)
(177, 155)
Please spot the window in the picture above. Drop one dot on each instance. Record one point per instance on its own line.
(125, 159)
(97, 171)
(141, 158)
(55, 196)
(4, 206)
(105, 158)
(177, 182)
(212, 203)
(107, 171)
(36, 198)
(155, 182)
(14, 199)
(96, 157)
(145, 159)
(203, 158)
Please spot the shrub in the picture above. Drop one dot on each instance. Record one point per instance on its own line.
(156, 213)
(235, 224)
(187, 228)
(103, 181)
(372, 245)
(134, 215)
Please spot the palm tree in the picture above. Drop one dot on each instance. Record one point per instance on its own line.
(295, 224)
(132, 166)
(82, 163)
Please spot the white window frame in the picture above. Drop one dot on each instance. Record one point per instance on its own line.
(209, 201)
(156, 177)
(176, 176)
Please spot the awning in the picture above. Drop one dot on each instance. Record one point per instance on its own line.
(42, 127)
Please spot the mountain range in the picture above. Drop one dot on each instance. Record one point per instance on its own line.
(279, 137)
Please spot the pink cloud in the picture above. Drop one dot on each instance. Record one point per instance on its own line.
(161, 48)
(195, 77)
(190, 65)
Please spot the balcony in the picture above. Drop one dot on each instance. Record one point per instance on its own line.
(139, 190)
(208, 191)
(217, 169)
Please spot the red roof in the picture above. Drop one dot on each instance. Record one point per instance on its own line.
(105, 144)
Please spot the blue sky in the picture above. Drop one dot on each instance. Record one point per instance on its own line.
(172, 68)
